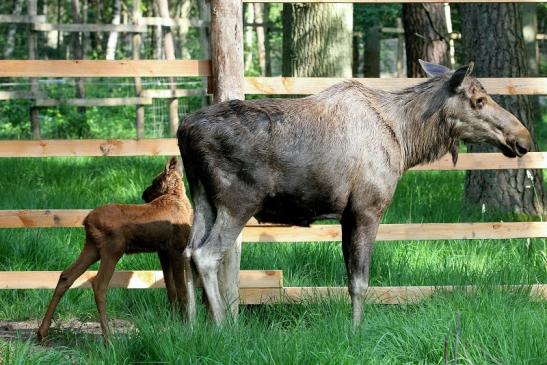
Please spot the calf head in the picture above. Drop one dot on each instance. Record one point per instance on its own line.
(476, 117)
(169, 181)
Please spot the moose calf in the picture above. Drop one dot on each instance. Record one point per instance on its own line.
(160, 225)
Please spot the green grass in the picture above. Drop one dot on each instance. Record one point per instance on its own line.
(496, 326)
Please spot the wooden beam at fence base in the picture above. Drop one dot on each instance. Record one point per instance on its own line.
(126, 279)
(315, 233)
(101, 68)
(169, 147)
(376, 295)
(313, 85)
(95, 101)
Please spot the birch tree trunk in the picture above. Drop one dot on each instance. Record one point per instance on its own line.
(260, 39)
(317, 39)
(498, 51)
(113, 37)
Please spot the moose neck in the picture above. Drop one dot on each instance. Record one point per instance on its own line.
(420, 122)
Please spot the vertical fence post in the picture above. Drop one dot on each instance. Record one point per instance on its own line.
(136, 49)
(32, 46)
(227, 67)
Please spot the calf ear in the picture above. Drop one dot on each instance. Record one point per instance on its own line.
(432, 69)
(172, 164)
(459, 75)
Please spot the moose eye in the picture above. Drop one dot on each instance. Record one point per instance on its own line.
(479, 103)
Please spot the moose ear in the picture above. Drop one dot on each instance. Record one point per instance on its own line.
(172, 164)
(459, 75)
(432, 69)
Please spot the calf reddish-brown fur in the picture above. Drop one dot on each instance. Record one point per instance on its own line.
(160, 225)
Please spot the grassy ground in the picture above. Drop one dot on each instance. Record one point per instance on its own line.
(496, 327)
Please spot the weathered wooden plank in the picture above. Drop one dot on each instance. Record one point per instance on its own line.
(315, 233)
(126, 279)
(21, 94)
(313, 85)
(90, 147)
(102, 68)
(377, 295)
(168, 147)
(167, 93)
(95, 101)
(172, 22)
(22, 19)
(106, 28)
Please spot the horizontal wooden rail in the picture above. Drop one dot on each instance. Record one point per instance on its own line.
(313, 85)
(376, 295)
(315, 233)
(168, 94)
(172, 22)
(95, 101)
(101, 68)
(126, 279)
(22, 19)
(168, 147)
(21, 94)
(107, 28)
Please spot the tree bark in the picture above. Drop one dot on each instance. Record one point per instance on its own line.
(205, 41)
(372, 37)
(136, 50)
(227, 65)
(32, 51)
(498, 51)
(267, 46)
(317, 40)
(249, 19)
(426, 36)
(113, 36)
(78, 52)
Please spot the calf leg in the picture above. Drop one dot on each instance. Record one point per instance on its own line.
(100, 286)
(168, 276)
(88, 256)
(362, 231)
(208, 256)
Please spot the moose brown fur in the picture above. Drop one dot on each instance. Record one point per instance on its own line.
(160, 225)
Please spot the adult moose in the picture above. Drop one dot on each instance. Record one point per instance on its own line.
(339, 154)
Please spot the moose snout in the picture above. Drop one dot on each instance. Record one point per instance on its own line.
(521, 143)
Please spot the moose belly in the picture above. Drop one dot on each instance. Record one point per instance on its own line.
(289, 209)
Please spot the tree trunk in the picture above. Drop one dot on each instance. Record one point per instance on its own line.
(317, 40)
(372, 37)
(113, 37)
(426, 36)
(10, 39)
(492, 37)
(259, 29)
(136, 53)
(32, 53)
(205, 41)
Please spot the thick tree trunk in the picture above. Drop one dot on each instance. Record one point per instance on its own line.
(372, 37)
(426, 36)
(113, 37)
(492, 37)
(10, 39)
(227, 64)
(317, 39)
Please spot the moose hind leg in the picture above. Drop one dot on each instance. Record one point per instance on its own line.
(208, 256)
(88, 256)
(362, 232)
(100, 286)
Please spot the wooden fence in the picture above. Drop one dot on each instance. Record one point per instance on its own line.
(256, 286)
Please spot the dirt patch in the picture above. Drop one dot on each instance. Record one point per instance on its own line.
(10, 330)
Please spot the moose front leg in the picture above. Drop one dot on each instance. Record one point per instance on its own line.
(359, 233)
